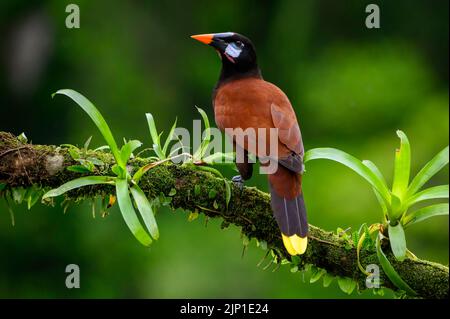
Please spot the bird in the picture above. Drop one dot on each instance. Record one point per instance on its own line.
(242, 99)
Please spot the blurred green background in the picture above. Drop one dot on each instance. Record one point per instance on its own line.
(351, 88)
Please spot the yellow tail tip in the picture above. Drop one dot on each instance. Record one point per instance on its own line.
(288, 246)
(295, 245)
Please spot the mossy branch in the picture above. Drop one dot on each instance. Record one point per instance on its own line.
(23, 165)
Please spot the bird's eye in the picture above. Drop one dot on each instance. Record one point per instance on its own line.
(239, 44)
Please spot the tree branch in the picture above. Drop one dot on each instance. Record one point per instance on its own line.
(23, 165)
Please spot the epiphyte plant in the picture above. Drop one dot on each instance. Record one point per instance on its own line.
(123, 182)
(398, 202)
(198, 160)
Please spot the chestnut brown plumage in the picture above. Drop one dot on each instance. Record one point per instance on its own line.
(242, 99)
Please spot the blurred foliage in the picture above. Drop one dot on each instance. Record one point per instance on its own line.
(351, 88)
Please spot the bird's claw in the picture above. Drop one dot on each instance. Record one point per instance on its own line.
(238, 181)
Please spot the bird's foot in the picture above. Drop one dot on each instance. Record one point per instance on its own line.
(238, 181)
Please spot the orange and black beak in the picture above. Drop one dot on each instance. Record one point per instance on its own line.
(204, 38)
(215, 40)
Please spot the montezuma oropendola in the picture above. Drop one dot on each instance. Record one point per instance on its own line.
(242, 99)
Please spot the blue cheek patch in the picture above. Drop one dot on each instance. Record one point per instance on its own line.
(233, 51)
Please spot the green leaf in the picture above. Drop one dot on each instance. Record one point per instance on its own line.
(294, 269)
(208, 169)
(65, 205)
(378, 291)
(397, 208)
(199, 154)
(118, 170)
(246, 241)
(353, 163)
(127, 149)
(327, 279)
(10, 210)
(193, 216)
(96, 117)
(18, 194)
(284, 261)
(129, 214)
(145, 208)
(227, 192)
(371, 165)
(164, 200)
(263, 245)
(79, 182)
(169, 137)
(317, 273)
(95, 161)
(428, 171)
(104, 205)
(2, 186)
(342, 233)
(172, 192)
(384, 207)
(220, 158)
(33, 196)
(102, 148)
(86, 144)
(389, 270)
(355, 238)
(79, 169)
(154, 135)
(74, 153)
(402, 166)
(93, 208)
(436, 192)
(175, 151)
(377, 172)
(87, 164)
(368, 242)
(22, 138)
(425, 213)
(158, 151)
(398, 241)
(346, 284)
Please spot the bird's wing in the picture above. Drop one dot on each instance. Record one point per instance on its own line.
(289, 134)
(288, 130)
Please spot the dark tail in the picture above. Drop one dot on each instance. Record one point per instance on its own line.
(289, 209)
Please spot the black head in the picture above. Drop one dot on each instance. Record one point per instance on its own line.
(235, 50)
